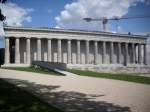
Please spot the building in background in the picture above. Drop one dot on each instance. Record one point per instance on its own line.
(101, 51)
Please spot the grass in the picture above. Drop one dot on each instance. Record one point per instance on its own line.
(124, 77)
(33, 69)
(14, 99)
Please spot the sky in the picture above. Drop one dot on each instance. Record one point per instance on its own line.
(69, 14)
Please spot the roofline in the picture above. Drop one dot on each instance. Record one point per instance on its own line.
(74, 31)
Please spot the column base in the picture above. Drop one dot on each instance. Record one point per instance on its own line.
(15, 65)
(112, 68)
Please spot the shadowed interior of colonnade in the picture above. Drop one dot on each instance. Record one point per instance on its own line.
(2, 50)
(69, 101)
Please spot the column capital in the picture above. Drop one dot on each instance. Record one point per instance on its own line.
(28, 37)
(17, 37)
(78, 39)
(68, 40)
(119, 42)
(126, 42)
(39, 39)
(95, 41)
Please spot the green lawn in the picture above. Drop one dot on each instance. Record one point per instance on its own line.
(32, 69)
(125, 77)
(14, 99)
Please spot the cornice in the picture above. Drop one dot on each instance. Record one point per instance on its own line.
(70, 31)
(72, 35)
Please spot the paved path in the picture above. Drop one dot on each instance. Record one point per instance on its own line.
(83, 94)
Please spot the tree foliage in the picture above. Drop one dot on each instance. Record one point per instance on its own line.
(2, 17)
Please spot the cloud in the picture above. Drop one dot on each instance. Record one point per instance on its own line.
(15, 15)
(73, 13)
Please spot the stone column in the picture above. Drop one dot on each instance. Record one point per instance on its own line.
(126, 54)
(17, 51)
(104, 53)
(145, 55)
(78, 51)
(111, 52)
(139, 54)
(39, 49)
(49, 50)
(28, 49)
(69, 51)
(87, 52)
(7, 52)
(59, 50)
(96, 52)
(133, 53)
(119, 53)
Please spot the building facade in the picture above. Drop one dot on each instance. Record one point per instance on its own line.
(76, 48)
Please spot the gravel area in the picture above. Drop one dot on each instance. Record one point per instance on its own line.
(83, 94)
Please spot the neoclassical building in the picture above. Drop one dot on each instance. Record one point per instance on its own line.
(76, 48)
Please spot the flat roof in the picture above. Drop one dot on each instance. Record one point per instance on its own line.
(59, 30)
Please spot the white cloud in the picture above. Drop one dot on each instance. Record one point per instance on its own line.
(15, 15)
(72, 15)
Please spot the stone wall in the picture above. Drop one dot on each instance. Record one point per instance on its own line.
(133, 69)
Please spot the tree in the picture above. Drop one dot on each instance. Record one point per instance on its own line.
(2, 17)
(3, 1)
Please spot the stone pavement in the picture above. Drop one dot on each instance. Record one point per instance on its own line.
(83, 94)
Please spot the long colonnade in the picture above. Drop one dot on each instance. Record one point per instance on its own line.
(132, 53)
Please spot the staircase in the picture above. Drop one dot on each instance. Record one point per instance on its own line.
(53, 66)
